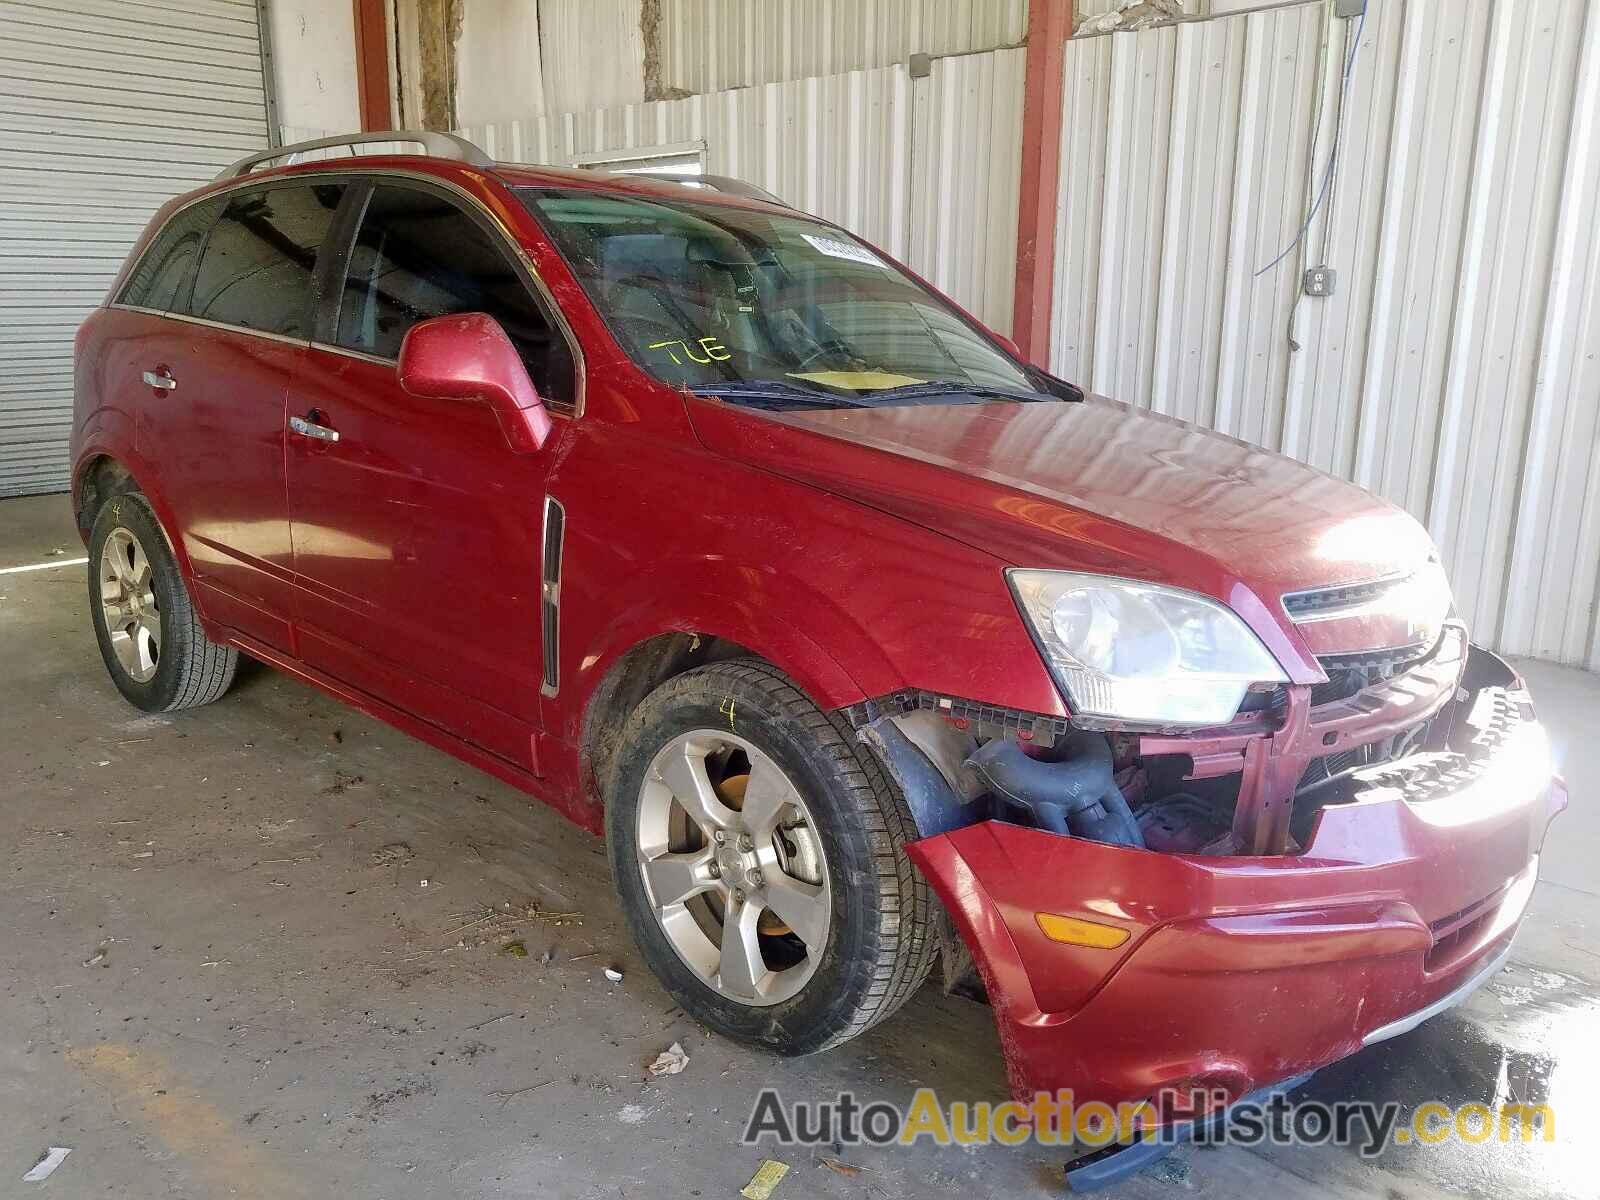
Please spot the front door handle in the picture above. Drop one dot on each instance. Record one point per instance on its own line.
(160, 379)
(309, 428)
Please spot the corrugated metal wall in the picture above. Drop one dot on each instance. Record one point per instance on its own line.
(107, 109)
(967, 164)
(712, 45)
(925, 168)
(1455, 368)
(592, 54)
(808, 141)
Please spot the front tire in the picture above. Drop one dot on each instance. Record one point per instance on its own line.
(758, 851)
(154, 648)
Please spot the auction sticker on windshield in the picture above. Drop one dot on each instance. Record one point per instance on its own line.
(838, 248)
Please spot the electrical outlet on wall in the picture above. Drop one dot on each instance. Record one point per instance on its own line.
(1321, 281)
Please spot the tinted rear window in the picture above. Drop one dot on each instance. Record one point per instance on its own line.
(261, 256)
(163, 276)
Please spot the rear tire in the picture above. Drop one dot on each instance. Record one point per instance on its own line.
(833, 970)
(150, 638)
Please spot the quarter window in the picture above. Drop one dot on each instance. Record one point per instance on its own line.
(165, 272)
(417, 256)
(261, 257)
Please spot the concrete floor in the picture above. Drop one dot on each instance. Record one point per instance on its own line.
(254, 950)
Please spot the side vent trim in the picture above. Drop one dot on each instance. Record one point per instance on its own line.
(555, 530)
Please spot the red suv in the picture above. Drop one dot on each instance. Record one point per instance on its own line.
(863, 642)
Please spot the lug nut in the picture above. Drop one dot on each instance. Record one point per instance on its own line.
(719, 837)
(755, 879)
(738, 895)
(714, 870)
(746, 842)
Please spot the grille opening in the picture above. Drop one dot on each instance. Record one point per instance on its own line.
(1460, 930)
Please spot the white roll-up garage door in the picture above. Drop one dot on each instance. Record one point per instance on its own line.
(107, 109)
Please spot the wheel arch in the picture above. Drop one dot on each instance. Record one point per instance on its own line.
(98, 478)
(641, 656)
(101, 473)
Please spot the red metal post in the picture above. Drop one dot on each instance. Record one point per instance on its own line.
(372, 63)
(1049, 27)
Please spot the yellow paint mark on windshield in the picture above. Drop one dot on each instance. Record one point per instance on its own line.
(712, 350)
(860, 381)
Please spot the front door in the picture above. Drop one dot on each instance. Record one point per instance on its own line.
(416, 526)
(215, 383)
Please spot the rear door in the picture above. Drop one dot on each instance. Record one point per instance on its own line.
(417, 532)
(213, 421)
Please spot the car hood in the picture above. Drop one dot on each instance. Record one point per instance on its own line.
(1105, 487)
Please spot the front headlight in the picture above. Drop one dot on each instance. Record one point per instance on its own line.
(1137, 652)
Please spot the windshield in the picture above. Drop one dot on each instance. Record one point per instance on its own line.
(768, 308)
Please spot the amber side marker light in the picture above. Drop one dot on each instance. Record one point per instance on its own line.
(1074, 932)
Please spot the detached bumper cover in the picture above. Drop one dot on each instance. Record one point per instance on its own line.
(1242, 972)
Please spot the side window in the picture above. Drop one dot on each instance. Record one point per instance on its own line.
(163, 275)
(261, 256)
(417, 256)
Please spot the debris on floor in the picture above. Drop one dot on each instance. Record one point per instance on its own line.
(503, 1097)
(767, 1177)
(843, 1168)
(395, 854)
(42, 1169)
(614, 975)
(515, 949)
(670, 1061)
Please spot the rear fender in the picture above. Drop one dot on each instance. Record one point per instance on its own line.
(108, 433)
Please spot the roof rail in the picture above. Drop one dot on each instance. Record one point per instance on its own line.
(434, 145)
(717, 183)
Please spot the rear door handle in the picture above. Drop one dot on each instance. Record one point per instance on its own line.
(310, 429)
(161, 380)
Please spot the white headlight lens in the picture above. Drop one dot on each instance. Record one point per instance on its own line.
(1137, 652)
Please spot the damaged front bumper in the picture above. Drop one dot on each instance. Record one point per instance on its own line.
(1241, 972)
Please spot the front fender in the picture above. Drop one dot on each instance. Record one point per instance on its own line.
(739, 604)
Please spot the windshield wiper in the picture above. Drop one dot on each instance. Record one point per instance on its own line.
(952, 387)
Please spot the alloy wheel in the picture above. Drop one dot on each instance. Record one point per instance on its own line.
(128, 604)
(734, 867)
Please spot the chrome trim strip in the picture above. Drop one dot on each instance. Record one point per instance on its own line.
(552, 545)
(351, 169)
(1407, 1023)
(202, 321)
(361, 355)
(1347, 608)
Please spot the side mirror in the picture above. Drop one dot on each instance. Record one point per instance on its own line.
(469, 357)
